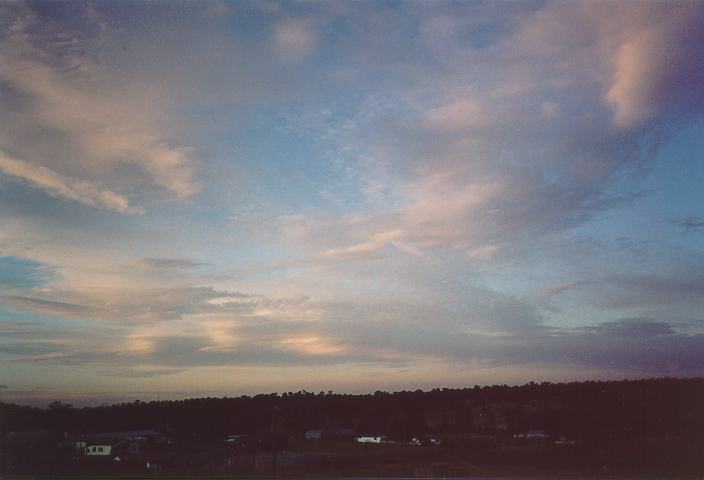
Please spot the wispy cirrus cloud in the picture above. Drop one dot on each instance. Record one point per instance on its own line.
(61, 186)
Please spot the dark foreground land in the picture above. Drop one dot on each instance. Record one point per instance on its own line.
(628, 429)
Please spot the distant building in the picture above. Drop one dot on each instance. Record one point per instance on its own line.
(25, 437)
(98, 450)
(137, 435)
(237, 440)
(130, 442)
(330, 434)
(314, 435)
(287, 460)
(564, 442)
(536, 435)
(439, 419)
(532, 435)
(371, 439)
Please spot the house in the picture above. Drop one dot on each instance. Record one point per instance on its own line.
(98, 450)
(237, 440)
(130, 442)
(330, 434)
(532, 436)
(536, 435)
(314, 435)
(564, 442)
(136, 435)
(288, 461)
(440, 419)
(27, 437)
(376, 439)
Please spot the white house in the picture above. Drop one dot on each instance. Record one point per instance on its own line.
(98, 450)
(371, 439)
(118, 443)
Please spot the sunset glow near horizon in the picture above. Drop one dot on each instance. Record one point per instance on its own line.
(214, 198)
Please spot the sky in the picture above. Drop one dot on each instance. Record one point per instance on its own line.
(227, 198)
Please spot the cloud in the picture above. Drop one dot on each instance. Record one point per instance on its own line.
(141, 372)
(461, 172)
(692, 224)
(549, 109)
(21, 274)
(657, 66)
(61, 186)
(71, 100)
(190, 328)
(559, 288)
(169, 263)
(294, 39)
(470, 203)
(460, 115)
(637, 289)
(385, 336)
(124, 304)
(51, 307)
(644, 56)
(633, 327)
(455, 146)
(633, 346)
(367, 249)
(636, 90)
